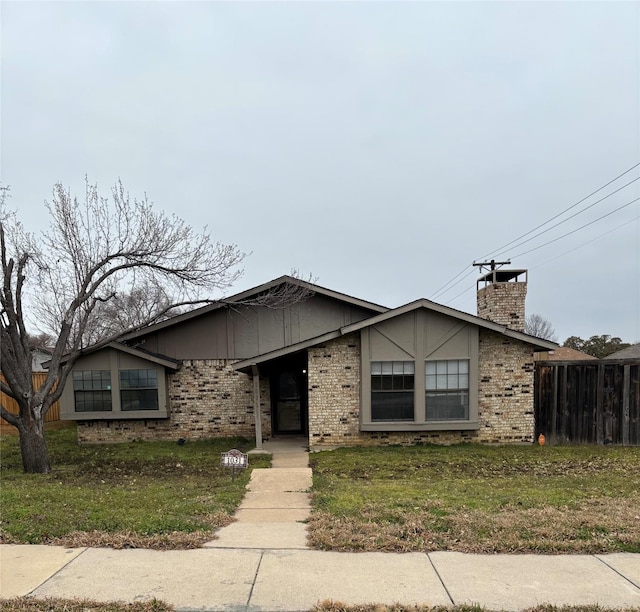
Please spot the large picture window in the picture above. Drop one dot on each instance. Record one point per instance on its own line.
(447, 389)
(392, 386)
(92, 390)
(138, 390)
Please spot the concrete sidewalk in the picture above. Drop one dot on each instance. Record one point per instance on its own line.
(295, 580)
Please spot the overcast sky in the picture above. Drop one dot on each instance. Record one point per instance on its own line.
(382, 146)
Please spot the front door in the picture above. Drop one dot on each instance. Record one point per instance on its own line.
(289, 401)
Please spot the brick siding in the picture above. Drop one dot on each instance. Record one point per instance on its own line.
(505, 397)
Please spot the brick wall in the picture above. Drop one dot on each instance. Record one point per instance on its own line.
(505, 397)
(505, 393)
(334, 392)
(503, 303)
(208, 399)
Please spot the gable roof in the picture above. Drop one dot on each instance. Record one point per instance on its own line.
(163, 360)
(451, 312)
(631, 352)
(564, 353)
(249, 293)
(245, 364)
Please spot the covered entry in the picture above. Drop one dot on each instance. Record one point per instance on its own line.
(289, 395)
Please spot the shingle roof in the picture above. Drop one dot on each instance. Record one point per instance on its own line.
(631, 352)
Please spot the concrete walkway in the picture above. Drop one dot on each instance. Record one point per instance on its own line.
(252, 580)
(277, 503)
(261, 564)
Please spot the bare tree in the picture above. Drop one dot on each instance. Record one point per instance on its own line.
(537, 325)
(93, 252)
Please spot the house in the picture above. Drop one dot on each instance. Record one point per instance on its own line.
(337, 369)
(631, 352)
(563, 353)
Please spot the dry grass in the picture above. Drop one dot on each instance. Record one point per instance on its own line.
(597, 526)
(336, 606)
(27, 604)
(477, 500)
(176, 540)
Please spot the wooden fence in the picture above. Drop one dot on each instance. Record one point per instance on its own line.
(9, 404)
(588, 402)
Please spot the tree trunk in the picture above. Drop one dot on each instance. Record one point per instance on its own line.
(33, 446)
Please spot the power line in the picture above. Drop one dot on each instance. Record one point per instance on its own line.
(454, 282)
(560, 213)
(576, 230)
(571, 217)
(440, 291)
(586, 243)
(454, 298)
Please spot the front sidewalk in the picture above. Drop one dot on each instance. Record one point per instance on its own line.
(295, 580)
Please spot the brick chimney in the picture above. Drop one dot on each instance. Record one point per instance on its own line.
(501, 297)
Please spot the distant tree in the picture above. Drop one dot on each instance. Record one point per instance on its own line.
(93, 252)
(537, 325)
(596, 346)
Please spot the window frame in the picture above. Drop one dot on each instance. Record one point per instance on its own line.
(462, 350)
(398, 380)
(102, 386)
(137, 389)
(114, 361)
(441, 383)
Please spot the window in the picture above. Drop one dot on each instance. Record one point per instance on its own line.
(447, 390)
(138, 390)
(392, 385)
(92, 390)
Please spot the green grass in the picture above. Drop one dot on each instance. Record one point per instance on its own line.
(478, 498)
(128, 493)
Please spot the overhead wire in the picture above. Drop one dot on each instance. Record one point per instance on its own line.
(451, 284)
(586, 243)
(577, 229)
(570, 217)
(499, 249)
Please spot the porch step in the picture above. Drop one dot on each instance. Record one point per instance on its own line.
(277, 503)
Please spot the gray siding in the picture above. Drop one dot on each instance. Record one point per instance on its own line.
(243, 332)
(419, 335)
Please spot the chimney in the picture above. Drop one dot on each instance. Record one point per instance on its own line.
(501, 297)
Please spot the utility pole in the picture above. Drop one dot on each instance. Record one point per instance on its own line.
(491, 265)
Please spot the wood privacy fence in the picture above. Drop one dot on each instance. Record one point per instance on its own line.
(11, 405)
(588, 402)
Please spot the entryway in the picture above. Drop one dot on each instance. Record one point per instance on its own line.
(289, 395)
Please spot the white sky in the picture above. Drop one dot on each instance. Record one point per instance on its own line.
(380, 146)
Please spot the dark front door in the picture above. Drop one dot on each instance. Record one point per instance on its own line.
(289, 400)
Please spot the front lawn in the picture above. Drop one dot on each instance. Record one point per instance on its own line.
(140, 494)
(477, 498)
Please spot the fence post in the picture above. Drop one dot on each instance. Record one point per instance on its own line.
(626, 386)
(599, 403)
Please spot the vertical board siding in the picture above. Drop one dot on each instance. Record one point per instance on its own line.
(588, 402)
(10, 405)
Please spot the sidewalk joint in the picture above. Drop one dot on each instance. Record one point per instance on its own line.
(86, 548)
(255, 579)
(637, 586)
(444, 586)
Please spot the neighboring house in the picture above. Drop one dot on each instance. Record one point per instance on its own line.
(563, 353)
(38, 357)
(334, 368)
(631, 352)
